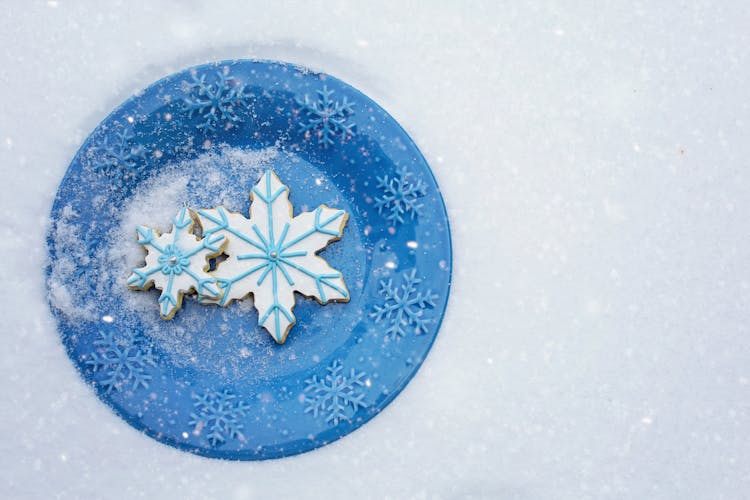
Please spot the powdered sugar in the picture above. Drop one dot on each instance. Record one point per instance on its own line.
(220, 176)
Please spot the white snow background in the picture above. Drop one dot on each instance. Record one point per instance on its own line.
(593, 157)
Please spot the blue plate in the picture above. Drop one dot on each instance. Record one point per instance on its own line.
(210, 381)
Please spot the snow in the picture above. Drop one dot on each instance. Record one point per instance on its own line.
(594, 164)
(153, 204)
(64, 272)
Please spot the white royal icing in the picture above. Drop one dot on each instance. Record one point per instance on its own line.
(273, 254)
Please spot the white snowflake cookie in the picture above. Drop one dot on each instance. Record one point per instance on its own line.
(273, 254)
(177, 263)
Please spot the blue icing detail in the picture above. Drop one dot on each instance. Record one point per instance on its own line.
(326, 118)
(172, 260)
(404, 306)
(216, 101)
(124, 360)
(401, 194)
(218, 414)
(336, 395)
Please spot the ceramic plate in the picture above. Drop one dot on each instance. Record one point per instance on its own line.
(210, 380)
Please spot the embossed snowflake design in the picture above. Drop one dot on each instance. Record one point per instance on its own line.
(219, 415)
(326, 118)
(401, 194)
(124, 360)
(119, 157)
(216, 101)
(404, 306)
(176, 263)
(272, 254)
(336, 395)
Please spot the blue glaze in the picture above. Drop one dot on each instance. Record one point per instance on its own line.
(239, 395)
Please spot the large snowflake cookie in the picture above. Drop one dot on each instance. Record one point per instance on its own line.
(273, 254)
(177, 263)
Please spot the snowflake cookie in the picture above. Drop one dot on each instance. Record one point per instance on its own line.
(272, 254)
(177, 263)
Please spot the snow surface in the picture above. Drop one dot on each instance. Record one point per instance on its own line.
(594, 161)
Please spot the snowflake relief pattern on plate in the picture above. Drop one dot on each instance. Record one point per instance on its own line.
(326, 118)
(401, 196)
(216, 99)
(336, 395)
(404, 306)
(119, 157)
(123, 360)
(272, 255)
(217, 415)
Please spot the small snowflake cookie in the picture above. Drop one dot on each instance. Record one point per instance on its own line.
(272, 255)
(177, 263)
